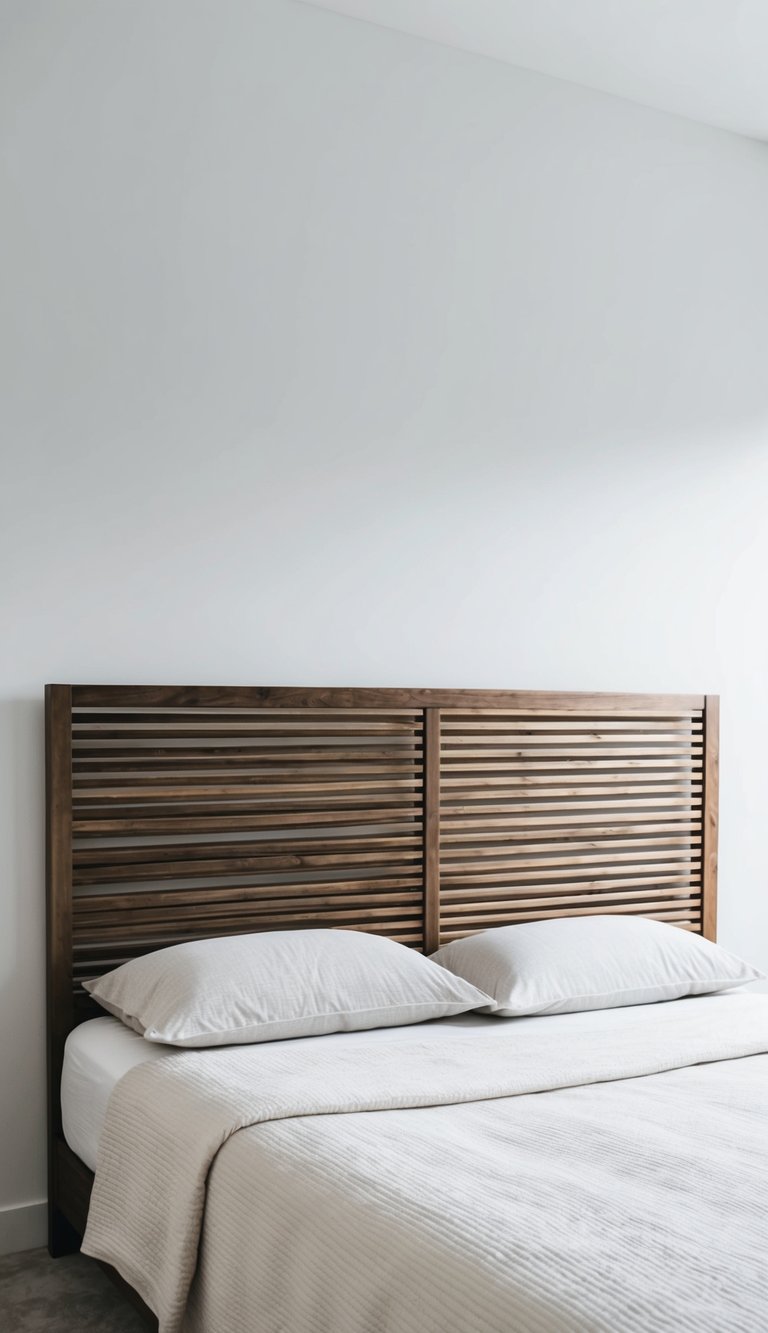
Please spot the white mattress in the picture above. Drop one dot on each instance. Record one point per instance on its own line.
(98, 1053)
(96, 1056)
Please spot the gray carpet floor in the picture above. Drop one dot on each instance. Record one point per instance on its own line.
(70, 1295)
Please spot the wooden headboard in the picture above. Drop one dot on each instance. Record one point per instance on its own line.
(180, 812)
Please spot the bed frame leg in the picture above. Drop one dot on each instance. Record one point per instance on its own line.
(62, 1237)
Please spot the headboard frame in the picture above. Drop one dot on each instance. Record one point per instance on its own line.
(180, 812)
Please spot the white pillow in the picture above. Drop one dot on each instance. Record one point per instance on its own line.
(596, 962)
(293, 983)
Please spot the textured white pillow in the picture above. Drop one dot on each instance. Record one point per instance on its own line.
(293, 983)
(597, 962)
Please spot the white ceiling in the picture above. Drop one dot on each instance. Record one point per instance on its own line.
(705, 59)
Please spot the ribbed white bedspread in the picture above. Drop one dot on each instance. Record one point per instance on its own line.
(433, 1193)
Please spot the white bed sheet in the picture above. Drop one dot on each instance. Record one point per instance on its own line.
(98, 1053)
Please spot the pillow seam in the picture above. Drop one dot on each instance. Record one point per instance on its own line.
(659, 985)
(331, 1013)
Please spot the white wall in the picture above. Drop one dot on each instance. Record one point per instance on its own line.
(330, 356)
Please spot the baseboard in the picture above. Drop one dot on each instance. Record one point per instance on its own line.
(24, 1227)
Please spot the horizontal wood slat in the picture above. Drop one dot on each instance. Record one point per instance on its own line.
(688, 918)
(121, 856)
(329, 697)
(173, 899)
(459, 864)
(245, 822)
(334, 911)
(664, 799)
(669, 874)
(470, 729)
(605, 837)
(167, 758)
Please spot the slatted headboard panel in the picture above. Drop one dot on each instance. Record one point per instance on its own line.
(420, 814)
(176, 813)
(575, 810)
(205, 820)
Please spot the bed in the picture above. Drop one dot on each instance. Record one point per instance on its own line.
(470, 1173)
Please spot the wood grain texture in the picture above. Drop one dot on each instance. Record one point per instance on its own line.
(257, 818)
(177, 813)
(524, 801)
(322, 697)
(431, 829)
(710, 823)
(58, 876)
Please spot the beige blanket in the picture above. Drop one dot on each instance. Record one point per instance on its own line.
(456, 1229)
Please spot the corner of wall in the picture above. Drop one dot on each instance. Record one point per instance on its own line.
(23, 1227)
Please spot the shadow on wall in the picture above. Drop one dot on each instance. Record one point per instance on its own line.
(22, 945)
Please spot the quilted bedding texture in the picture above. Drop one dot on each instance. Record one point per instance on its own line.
(316, 1187)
